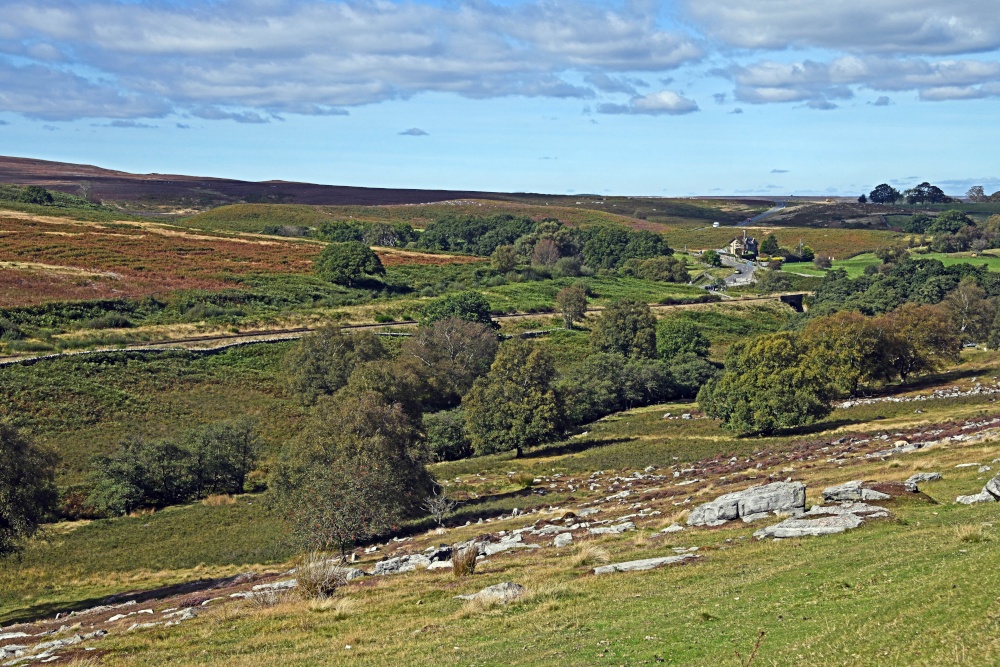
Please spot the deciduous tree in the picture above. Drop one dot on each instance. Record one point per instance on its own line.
(321, 362)
(347, 263)
(626, 327)
(572, 303)
(27, 487)
(675, 336)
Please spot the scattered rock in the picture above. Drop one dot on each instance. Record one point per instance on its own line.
(776, 497)
(276, 586)
(440, 565)
(563, 540)
(673, 528)
(502, 593)
(919, 478)
(612, 530)
(644, 564)
(852, 492)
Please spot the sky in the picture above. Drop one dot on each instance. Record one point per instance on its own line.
(671, 98)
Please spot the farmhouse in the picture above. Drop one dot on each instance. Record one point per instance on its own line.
(743, 245)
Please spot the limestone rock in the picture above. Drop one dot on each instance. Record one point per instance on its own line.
(993, 487)
(644, 564)
(673, 528)
(563, 540)
(798, 527)
(981, 497)
(913, 481)
(776, 497)
(613, 530)
(852, 492)
(502, 593)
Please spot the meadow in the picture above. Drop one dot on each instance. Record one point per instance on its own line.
(855, 266)
(834, 242)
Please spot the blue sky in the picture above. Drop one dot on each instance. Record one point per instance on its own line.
(770, 97)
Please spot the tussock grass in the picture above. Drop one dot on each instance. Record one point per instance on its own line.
(463, 561)
(973, 533)
(590, 554)
(319, 576)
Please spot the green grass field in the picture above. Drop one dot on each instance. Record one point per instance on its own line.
(855, 266)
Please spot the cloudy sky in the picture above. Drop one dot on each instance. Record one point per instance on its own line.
(644, 97)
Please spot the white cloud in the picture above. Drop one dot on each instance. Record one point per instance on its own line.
(246, 60)
(818, 84)
(665, 102)
(918, 27)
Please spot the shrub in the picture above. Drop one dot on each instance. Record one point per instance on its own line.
(470, 306)
(110, 321)
(319, 576)
(27, 488)
(348, 263)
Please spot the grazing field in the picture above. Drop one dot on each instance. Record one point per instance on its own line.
(838, 243)
(855, 266)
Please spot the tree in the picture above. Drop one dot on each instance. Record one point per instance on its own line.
(515, 405)
(971, 311)
(662, 269)
(504, 259)
(924, 339)
(891, 254)
(772, 280)
(949, 222)
(925, 193)
(141, 473)
(822, 262)
(34, 194)
(712, 258)
(976, 194)
(358, 471)
(675, 336)
(855, 350)
(470, 306)
(449, 355)
(862, 199)
(572, 303)
(447, 437)
(626, 327)
(769, 246)
(321, 362)
(347, 263)
(768, 384)
(545, 254)
(222, 455)
(27, 488)
(884, 194)
(993, 342)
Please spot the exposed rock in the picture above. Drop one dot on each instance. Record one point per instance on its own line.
(989, 494)
(276, 586)
(852, 492)
(919, 478)
(673, 528)
(824, 520)
(799, 527)
(4, 636)
(563, 540)
(440, 565)
(612, 530)
(776, 497)
(502, 593)
(981, 497)
(644, 564)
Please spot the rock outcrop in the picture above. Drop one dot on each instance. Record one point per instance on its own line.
(502, 593)
(754, 503)
(989, 494)
(854, 491)
(824, 520)
(644, 564)
(913, 481)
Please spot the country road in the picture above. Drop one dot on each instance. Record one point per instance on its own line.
(778, 205)
(217, 342)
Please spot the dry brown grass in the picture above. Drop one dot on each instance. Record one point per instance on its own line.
(335, 609)
(218, 500)
(973, 533)
(319, 576)
(463, 561)
(591, 554)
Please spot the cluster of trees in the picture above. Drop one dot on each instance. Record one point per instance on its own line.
(389, 235)
(900, 279)
(769, 247)
(925, 193)
(788, 379)
(547, 245)
(954, 231)
(143, 473)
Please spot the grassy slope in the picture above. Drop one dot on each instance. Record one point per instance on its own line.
(901, 592)
(833, 242)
